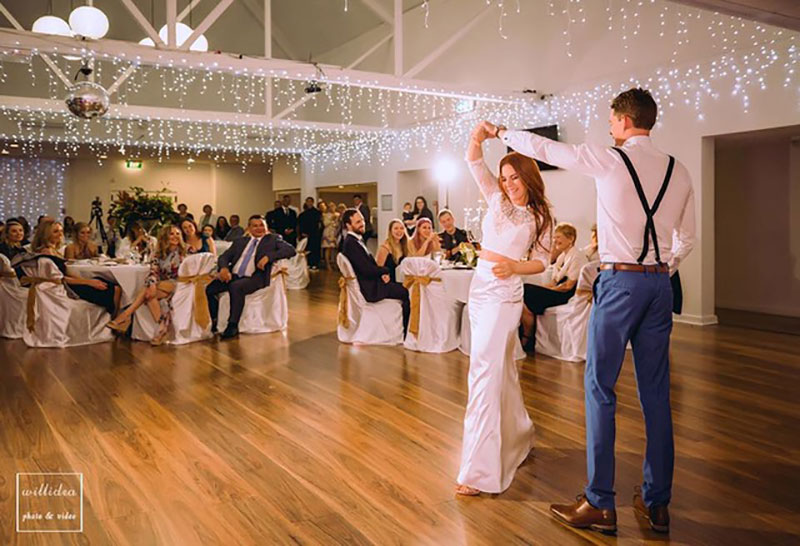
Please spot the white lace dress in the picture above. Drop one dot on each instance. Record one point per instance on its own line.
(498, 433)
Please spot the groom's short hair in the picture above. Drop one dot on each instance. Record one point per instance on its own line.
(637, 104)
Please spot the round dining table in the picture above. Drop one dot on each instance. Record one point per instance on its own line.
(130, 277)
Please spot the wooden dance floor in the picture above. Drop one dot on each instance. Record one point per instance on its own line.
(296, 439)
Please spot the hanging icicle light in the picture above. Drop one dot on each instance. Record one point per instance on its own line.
(89, 22)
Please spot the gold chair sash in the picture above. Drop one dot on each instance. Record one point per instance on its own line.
(201, 314)
(282, 272)
(413, 283)
(8, 274)
(32, 283)
(343, 318)
(585, 293)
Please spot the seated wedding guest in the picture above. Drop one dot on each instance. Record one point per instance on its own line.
(183, 213)
(82, 248)
(208, 231)
(425, 241)
(137, 242)
(393, 249)
(590, 250)
(160, 283)
(221, 229)
(112, 235)
(11, 241)
(196, 241)
(69, 229)
(373, 280)
(560, 289)
(27, 229)
(245, 268)
(236, 230)
(208, 218)
(47, 241)
(451, 236)
(409, 221)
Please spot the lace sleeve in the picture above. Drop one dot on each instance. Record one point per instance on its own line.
(487, 182)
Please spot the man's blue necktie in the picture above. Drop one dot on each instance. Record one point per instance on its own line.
(247, 257)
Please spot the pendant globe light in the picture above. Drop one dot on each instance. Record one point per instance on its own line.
(88, 21)
(50, 24)
(182, 33)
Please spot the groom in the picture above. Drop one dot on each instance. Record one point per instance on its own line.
(643, 196)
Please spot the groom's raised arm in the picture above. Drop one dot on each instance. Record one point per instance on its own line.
(586, 159)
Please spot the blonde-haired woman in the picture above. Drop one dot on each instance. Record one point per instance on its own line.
(82, 248)
(47, 241)
(394, 248)
(160, 283)
(425, 240)
(329, 226)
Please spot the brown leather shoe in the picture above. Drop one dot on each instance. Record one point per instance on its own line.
(583, 515)
(656, 516)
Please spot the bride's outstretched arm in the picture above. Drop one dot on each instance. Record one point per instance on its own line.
(487, 182)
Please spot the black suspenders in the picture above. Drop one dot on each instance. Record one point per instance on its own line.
(650, 226)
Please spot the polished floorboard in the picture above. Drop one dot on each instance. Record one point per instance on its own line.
(296, 439)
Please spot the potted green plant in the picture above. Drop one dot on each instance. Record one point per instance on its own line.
(151, 210)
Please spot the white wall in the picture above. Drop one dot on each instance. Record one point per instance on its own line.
(535, 56)
(226, 188)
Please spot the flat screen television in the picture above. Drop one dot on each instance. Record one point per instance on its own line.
(548, 131)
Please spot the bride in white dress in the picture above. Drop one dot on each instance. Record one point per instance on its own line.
(498, 433)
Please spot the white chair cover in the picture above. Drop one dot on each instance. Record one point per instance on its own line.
(379, 323)
(60, 320)
(184, 326)
(439, 314)
(561, 331)
(222, 246)
(265, 310)
(13, 301)
(298, 276)
(466, 337)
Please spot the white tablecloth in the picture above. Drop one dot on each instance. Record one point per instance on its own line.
(129, 277)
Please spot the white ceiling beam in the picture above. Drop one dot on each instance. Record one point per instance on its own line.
(210, 19)
(379, 10)
(398, 38)
(147, 113)
(172, 19)
(447, 44)
(275, 31)
(193, 4)
(119, 81)
(298, 103)
(268, 54)
(17, 42)
(143, 22)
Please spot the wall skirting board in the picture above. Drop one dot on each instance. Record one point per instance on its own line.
(696, 320)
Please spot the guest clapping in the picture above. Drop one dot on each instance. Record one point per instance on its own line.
(562, 286)
(425, 241)
(160, 283)
(82, 248)
(195, 240)
(394, 248)
(450, 236)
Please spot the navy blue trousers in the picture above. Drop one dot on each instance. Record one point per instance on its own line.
(637, 307)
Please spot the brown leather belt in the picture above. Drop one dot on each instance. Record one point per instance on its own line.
(637, 268)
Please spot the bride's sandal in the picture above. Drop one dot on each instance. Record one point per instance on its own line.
(467, 491)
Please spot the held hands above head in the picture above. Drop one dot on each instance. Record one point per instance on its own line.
(485, 130)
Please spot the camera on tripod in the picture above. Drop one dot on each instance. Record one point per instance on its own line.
(97, 218)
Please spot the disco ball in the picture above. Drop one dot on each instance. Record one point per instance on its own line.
(88, 100)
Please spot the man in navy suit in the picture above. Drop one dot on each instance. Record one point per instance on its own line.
(373, 280)
(244, 268)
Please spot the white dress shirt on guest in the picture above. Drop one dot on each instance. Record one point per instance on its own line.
(251, 265)
(568, 264)
(620, 217)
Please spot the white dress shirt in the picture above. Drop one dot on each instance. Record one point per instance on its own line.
(251, 266)
(620, 218)
(569, 264)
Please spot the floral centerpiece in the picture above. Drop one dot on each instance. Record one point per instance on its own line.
(467, 255)
(152, 210)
